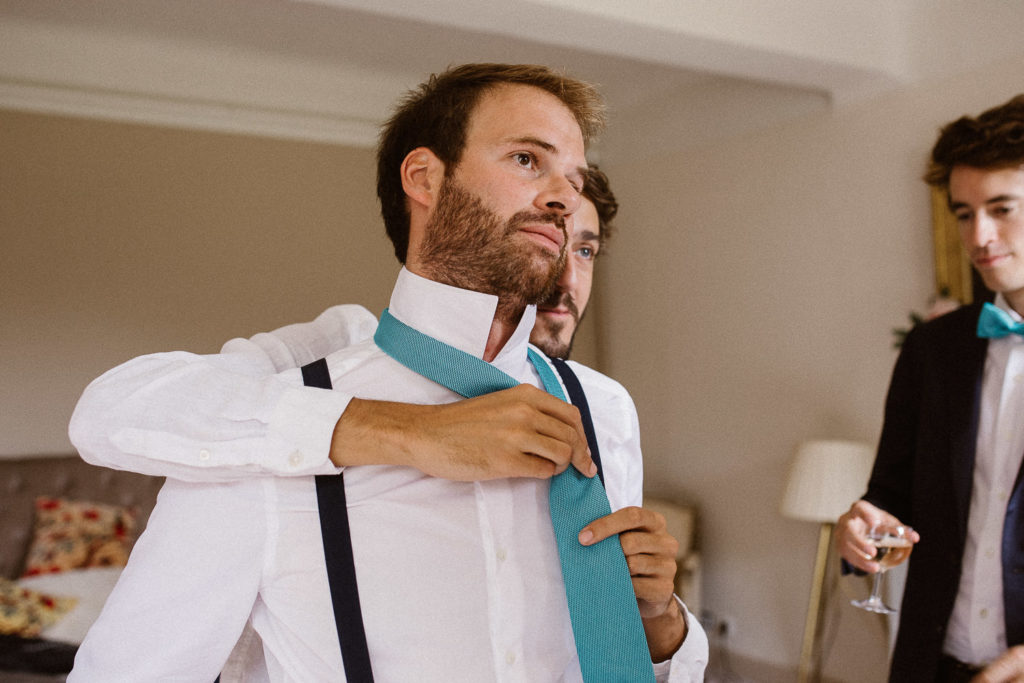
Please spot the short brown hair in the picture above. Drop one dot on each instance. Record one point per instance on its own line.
(994, 139)
(597, 189)
(436, 116)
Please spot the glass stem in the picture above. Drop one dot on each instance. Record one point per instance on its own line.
(876, 587)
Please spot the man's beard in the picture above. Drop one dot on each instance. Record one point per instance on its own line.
(466, 245)
(547, 334)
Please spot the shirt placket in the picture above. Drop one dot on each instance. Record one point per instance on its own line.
(1006, 444)
(495, 503)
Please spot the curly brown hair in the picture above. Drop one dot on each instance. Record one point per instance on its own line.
(994, 139)
(436, 116)
(597, 189)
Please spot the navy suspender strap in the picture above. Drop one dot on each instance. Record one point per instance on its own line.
(579, 399)
(341, 568)
(317, 375)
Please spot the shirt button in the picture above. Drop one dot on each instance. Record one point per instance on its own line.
(295, 459)
(510, 657)
(983, 613)
(204, 454)
(501, 554)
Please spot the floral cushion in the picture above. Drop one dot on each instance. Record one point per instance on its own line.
(76, 534)
(25, 612)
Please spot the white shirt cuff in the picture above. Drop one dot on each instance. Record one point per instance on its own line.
(305, 419)
(688, 663)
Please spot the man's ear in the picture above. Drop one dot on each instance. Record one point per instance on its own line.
(422, 174)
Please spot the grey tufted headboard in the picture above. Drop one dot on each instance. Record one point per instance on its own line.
(22, 479)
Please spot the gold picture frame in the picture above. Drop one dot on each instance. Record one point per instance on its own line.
(952, 267)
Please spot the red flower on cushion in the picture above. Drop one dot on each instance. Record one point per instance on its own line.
(67, 534)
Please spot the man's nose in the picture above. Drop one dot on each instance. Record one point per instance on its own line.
(567, 280)
(981, 230)
(559, 196)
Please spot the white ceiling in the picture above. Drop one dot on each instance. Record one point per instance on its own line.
(329, 70)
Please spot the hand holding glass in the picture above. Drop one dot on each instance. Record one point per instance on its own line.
(892, 547)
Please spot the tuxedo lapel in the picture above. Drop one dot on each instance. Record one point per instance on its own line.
(965, 364)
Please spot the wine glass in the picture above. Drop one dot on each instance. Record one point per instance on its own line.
(892, 547)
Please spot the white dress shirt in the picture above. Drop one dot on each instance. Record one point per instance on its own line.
(458, 581)
(977, 626)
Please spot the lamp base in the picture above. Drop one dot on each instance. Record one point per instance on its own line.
(809, 670)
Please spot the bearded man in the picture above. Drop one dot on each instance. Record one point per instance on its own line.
(478, 173)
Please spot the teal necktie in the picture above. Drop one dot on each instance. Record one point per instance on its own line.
(995, 323)
(606, 624)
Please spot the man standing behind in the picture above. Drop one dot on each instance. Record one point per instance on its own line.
(458, 580)
(949, 458)
(559, 317)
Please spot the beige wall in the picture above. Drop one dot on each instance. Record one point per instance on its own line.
(119, 240)
(780, 263)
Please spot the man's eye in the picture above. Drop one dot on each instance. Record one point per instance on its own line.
(524, 159)
(586, 252)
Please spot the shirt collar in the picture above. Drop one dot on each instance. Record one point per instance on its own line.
(458, 317)
(1001, 302)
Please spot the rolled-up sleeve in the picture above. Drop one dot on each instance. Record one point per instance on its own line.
(205, 418)
(221, 417)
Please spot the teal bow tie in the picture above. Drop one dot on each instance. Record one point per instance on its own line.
(606, 622)
(995, 323)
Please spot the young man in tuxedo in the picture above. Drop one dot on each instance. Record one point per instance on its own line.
(949, 458)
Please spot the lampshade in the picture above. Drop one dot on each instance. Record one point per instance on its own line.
(825, 478)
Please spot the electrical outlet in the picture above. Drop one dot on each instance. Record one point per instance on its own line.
(717, 626)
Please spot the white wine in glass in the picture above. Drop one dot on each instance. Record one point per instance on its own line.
(891, 548)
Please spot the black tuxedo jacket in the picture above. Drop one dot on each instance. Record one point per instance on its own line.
(923, 475)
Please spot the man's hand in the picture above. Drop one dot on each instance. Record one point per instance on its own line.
(851, 534)
(1009, 668)
(651, 555)
(518, 432)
